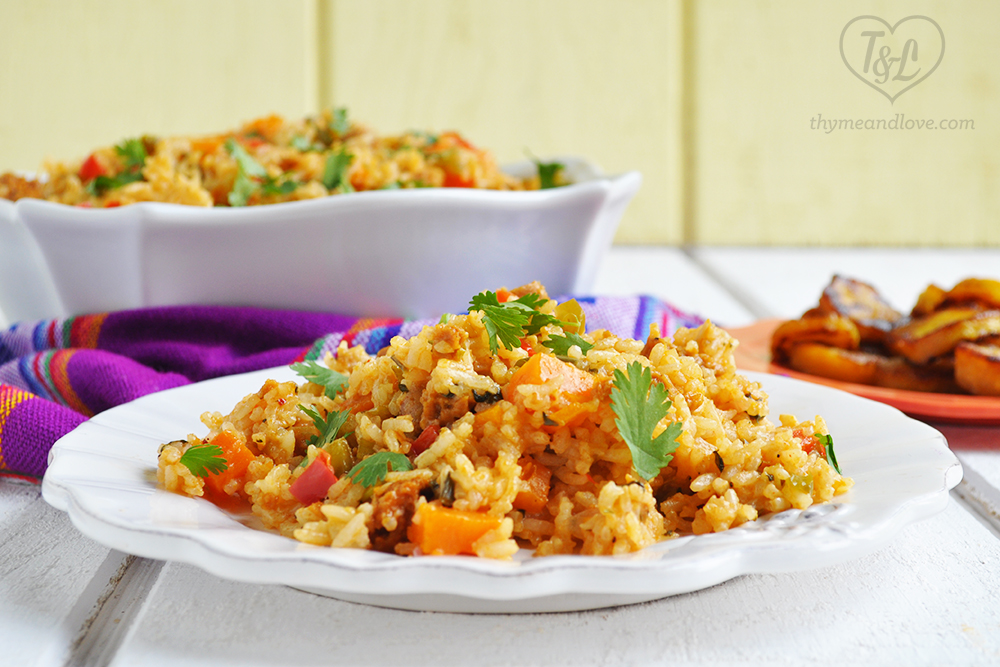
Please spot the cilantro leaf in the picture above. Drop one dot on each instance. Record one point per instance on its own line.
(101, 184)
(548, 174)
(373, 469)
(329, 428)
(133, 154)
(244, 161)
(335, 171)
(271, 186)
(319, 374)
(831, 457)
(252, 177)
(300, 143)
(339, 123)
(538, 318)
(639, 404)
(560, 344)
(247, 169)
(504, 322)
(204, 459)
(428, 138)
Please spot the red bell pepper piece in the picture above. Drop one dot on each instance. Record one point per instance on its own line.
(315, 481)
(91, 169)
(425, 439)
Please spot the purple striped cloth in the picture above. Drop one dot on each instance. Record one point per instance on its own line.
(55, 374)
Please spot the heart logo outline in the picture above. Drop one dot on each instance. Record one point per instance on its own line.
(892, 30)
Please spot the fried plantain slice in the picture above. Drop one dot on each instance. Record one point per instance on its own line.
(982, 292)
(937, 334)
(929, 300)
(826, 328)
(937, 376)
(862, 304)
(977, 368)
(861, 367)
(833, 362)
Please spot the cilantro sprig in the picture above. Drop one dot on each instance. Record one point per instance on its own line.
(317, 373)
(335, 171)
(251, 177)
(133, 154)
(507, 322)
(548, 174)
(831, 457)
(639, 404)
(328, 427)
(204, 459)
(301, 143)
(373, 469)
(560, 344)
(339, 122)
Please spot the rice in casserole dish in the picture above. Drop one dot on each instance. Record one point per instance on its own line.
(270, 160)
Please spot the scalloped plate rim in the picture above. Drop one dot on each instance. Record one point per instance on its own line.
(550, 584)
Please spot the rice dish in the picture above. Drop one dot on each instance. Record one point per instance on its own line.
(270, 160)
(465, 440)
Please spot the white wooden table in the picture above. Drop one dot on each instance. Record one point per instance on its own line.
(931, 597)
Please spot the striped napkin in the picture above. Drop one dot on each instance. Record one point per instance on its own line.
(55, 374)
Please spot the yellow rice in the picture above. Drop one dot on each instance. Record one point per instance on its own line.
(732, 464)
(202, 171)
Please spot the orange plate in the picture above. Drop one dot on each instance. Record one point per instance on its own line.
(754, 354)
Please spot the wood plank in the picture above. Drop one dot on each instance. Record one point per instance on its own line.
(766, 73)
(52, 578)
(980, 487)
(785, 282)
(670, 274)
(919, 600)
(563, 77)
(86, 74)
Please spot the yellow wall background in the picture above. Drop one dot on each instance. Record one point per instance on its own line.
(711, 101)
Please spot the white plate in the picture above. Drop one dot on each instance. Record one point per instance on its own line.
(102, 474)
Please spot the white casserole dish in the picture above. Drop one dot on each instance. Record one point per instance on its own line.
(398, 253)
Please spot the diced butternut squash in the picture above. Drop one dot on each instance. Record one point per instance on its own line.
(533, 494)
(266, 127)
(574, 384)
(238, 459)
(207, 145)
(572, 414)
(440, 530)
